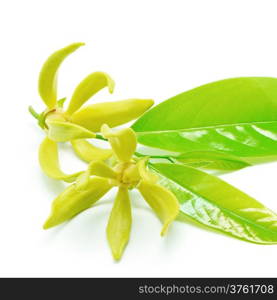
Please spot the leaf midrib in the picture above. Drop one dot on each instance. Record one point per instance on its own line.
(206, 127)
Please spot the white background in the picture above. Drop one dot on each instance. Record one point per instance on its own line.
(153, 49)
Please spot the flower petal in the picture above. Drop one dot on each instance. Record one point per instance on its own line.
(72, 201)
(47, 84)
(123, 142)
(112, 113)
(88, 152)
(144, 173)
(89, 87)
(49, 161)
(119, 225)
(99, 168)
(82, 181)
(60, 131)
(162, 201)
(96, 168)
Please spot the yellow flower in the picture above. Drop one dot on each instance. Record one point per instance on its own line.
(126, 172)
(77, 122)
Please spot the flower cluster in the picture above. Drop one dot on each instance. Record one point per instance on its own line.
(125, 173)
(107, 168)
(77, 121)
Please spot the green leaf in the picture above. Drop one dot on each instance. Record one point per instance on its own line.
(217, 204)
(212, 160)
(249, 140)
(235, 116)
(47, 84)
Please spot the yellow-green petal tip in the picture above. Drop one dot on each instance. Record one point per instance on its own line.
(117, 256)
(111, 84)
(48, 224)
(165, 228)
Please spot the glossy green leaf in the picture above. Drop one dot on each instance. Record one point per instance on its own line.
(212, 160)
(89, 152)
(65, 131)
(49, 162)
(119, 225)
(235, 116)
(47, 84)
(89, 87)
(249, 141)
(73, 200)
(217, 204)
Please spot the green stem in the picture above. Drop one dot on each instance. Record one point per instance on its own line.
(170, 159)
(154, 156)
(33, 112)
(100, 137)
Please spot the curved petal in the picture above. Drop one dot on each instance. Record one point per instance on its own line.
(89, 87)
(60, 131)
(144, 173)
(82, 181)
(73, 201)
(88, 152)
(119, 225)
(123, 142)
(47, 83)
(162, 201)
(99, 168)
(112, 113)
(49, 161)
